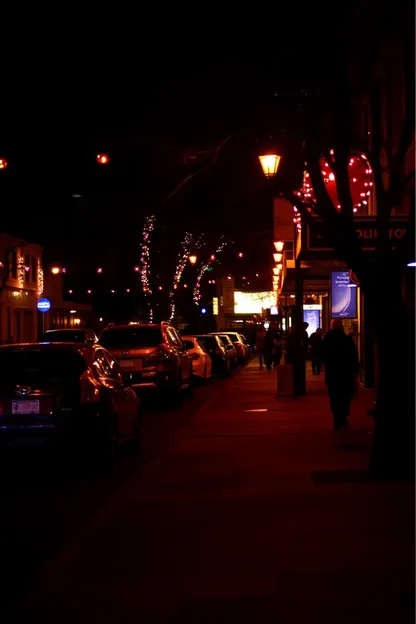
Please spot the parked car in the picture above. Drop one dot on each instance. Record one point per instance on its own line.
(240, 347)
(232, 351)
(154, 356)
(201, 360)
(69, 393)
(69, 335)
(221, 358)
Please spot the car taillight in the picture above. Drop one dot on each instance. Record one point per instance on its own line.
(158, 356)
(90, 392)
(195, 356)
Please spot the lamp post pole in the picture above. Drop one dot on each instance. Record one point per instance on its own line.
(300, 361)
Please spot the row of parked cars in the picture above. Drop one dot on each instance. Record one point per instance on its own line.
(80, 390)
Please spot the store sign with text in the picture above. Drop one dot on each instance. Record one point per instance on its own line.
(366, 229)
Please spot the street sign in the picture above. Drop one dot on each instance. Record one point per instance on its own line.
(366, 229)
(43, 305)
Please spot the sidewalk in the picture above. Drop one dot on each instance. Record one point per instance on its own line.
(251, 516)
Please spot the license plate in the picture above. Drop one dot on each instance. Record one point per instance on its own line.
(25, 407)
(126, 364)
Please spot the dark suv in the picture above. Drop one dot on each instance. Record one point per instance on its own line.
(153, 355)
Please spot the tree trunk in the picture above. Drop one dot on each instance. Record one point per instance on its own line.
(393, 448)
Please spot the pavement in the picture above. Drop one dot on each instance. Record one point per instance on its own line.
(257, 512)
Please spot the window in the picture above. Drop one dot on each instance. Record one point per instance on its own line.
(14, 264)
(174, 338)
(135, 337)
(34, 365)
(116, 372)
(101, 364)
(189, 345)
(27, 268)
(34, 270)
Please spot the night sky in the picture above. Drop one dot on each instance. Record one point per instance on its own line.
(158, 98)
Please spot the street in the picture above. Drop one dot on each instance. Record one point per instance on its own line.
(248, 509)
(44, 504)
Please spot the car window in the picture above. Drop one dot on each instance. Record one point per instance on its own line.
(115, 370)
(200, 345)
(174, 338)
(101, 364)
(135, 336)
(225, 340)
(22, 366)
(65, 335)
(209, 342)
(189, 345)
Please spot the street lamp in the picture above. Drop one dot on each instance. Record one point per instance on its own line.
(102, 159)
(279, 246)
(193, 259)
(269, 164)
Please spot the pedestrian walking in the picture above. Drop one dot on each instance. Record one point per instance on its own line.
(315, 343)
(269, 344)
(342, 365)
(260, 340)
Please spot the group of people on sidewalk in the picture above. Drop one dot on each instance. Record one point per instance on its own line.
(336, 350)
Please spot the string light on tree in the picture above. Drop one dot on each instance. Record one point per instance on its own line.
(361, 183)
(204, 268)
(180, 267)
(149, 226)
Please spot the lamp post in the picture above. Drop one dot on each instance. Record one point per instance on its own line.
(270, 163)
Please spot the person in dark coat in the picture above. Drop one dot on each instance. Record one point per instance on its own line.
(341, 367)
(315, 343)
(269, 344)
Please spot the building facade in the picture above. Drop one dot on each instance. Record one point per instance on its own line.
(21, 283)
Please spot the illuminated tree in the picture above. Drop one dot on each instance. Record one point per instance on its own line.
(381, 89)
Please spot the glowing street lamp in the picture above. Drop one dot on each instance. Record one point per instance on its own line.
(193, 259)
(277, 257)
(269, 164)
(279, 246)
(102, 159)
(55, 270)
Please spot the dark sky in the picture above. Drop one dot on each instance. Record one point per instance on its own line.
(151, 94)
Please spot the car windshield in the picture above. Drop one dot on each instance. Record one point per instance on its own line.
(234, 338)
(189, 345)
(22, 366)
(67, 335)
(131, 337)
(209, 342)
(225, 340)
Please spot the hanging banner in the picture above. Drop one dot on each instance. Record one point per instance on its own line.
(283, 220)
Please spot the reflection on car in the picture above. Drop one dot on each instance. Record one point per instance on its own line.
(75, 394)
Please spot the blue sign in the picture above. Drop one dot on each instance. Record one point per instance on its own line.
(343, 296)
(313, 318)
(43, 305)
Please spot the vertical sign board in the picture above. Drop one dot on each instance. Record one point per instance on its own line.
(312, 316)
(283, 220)
(343, 296)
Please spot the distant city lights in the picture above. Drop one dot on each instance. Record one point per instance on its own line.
(103, 159)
